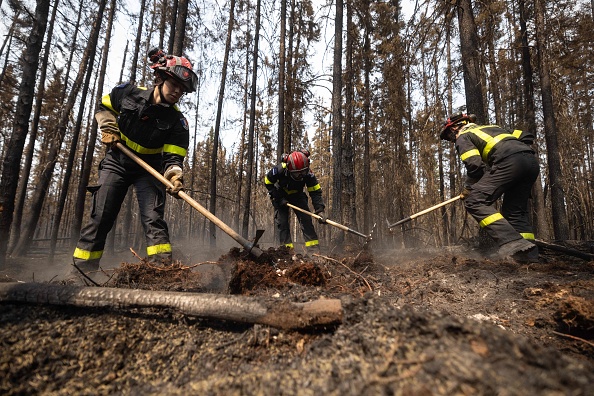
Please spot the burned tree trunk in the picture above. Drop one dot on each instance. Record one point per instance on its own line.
(283, 315)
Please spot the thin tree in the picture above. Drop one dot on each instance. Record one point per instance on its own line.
(281, 81)
(471, 61)
(11, 164)
(337, 116)
(180, 27)
(45, 177)
(250, 160)
(215, 142)
(560, 221)
(30, 150)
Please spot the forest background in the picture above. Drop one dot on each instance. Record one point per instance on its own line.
(361, 84)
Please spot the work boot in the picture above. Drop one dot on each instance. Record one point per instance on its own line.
(527, 256)
(510, 249)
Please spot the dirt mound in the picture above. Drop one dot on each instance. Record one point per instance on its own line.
(415, 322)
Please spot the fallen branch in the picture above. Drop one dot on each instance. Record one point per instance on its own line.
(283, 315)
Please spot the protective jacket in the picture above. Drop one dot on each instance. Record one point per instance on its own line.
(482, 146)
(283, 188)
(497, 163)
(158, 134)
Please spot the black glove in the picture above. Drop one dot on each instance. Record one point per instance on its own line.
(465, 192)
(278, 199)
(322, 219)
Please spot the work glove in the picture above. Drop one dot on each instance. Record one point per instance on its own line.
(110, 133)
(175, 175)
(322, 219)
(320, 212)
(465, 192)
(278, 198)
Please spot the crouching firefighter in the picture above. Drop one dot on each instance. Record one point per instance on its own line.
(285, 183)
(497, 163)
(149, 123)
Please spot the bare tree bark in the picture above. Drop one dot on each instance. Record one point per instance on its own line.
(539, 211)
(560, 221)
(284, 315)
(11, 164)
(215, 142)
(247, 199)
(46, 175)
(281, 82)
(180, 27)
(27, 163)
(337, 117)
(471, 61)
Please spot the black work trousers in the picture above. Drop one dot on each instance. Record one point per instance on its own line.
(281, 217)
(116, 173)
(513, 178)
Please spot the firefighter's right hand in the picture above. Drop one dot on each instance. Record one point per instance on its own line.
(175, 175)
(110, 132)
(465, 193)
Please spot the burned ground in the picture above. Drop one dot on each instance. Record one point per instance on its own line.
(415, 322)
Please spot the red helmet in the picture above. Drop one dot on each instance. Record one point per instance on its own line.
(177, 67)
(297, 161)
(453, 120)
(298, 164)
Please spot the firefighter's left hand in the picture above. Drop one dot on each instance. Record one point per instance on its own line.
(465, 193)
(322, 219)
(175, 176)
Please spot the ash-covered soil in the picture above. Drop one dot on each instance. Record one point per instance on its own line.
(414, 323)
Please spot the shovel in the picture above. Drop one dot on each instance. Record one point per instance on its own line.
(250, 247)
(422, 212)
(342, 227)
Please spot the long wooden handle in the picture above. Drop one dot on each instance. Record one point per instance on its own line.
(333, 223)
(422, 212)
(249, 246)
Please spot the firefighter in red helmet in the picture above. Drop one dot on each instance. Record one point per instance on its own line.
(285, 183)
(150, 124)
(498, 162)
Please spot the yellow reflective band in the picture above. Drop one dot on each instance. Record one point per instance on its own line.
(517, 133)
(527, 235)
(314, 188)
(138, 148)
(490, 140)
(87, 255)
(284, 165)
(289, 245)
(106, 101)
(312, 243)
(266, 181)
(490, 219)
(469, 153)
(290, 191)
(156, 249)
(170, 148)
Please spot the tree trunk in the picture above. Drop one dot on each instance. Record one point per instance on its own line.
(539, 211)
(560, 221)
(337, 117)
(281, 81)
(471, 61)
(348, 166)
(215, 142)
(46, 175)
(12, 162)
(250, 149)
(284, 314)
(27, 163)
(180, 27)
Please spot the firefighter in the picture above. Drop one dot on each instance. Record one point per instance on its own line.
(285, 183)
(497, 163)
(150, 124)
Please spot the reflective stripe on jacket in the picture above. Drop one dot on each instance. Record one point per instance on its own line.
(483, 145)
